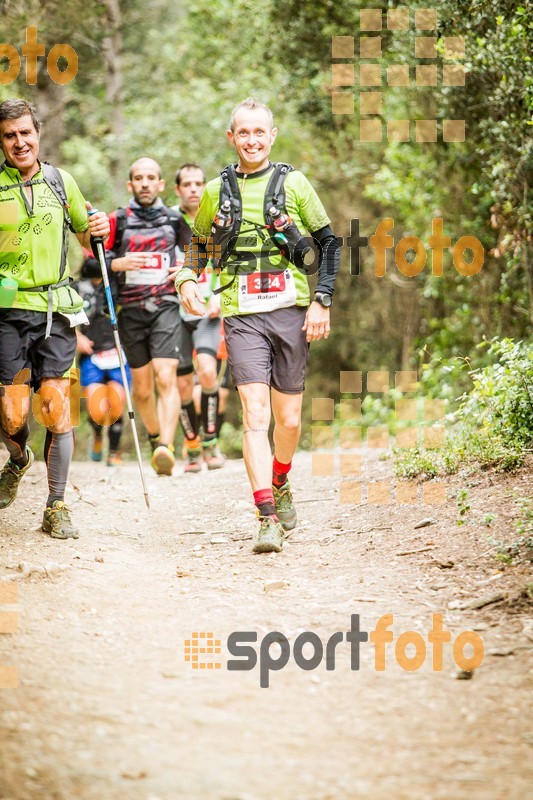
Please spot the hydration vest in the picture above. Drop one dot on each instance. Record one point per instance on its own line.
(225, 239)
(53, 179)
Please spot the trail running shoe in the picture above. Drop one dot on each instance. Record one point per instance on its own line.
(212, 456)
(114, 459)
(193, 461)
(57, 521)
(95, 449)
(10, 478)
(270, 538)
(285, 510)
(163, 459)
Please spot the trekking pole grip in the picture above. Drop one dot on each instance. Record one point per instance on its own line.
(94, 239)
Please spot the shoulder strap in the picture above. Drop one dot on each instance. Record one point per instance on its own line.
(275, 192)
(177, 220)
(121, 217)
(54, 181)
(229, 190)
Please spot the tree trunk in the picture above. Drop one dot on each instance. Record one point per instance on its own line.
(112, 51)
(51, 100)
(411, 324)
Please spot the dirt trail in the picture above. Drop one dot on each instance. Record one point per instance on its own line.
(108, 709)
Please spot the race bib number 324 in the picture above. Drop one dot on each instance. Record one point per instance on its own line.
(266, 291)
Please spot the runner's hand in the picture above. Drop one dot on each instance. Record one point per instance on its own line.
(191, 295)
(84, 344)
(130, 261)
(172, 272)
(316, 322)
(98, 223)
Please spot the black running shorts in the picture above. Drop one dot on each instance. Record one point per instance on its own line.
(268, 347)
(23, 345)
(147, 334)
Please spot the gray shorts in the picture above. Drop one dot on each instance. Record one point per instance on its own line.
(201, 334)
(269, 348)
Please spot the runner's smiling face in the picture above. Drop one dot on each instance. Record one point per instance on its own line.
(20, 144)
(252, 138)
(145, 182)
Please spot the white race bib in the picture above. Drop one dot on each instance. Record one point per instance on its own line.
(106, 359)
(266, 291)
(154, 272)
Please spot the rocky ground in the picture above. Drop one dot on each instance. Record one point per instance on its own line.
(107, 707)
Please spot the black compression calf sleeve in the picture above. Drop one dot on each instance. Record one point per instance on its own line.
(189, 421)
(95, 426)
(16, 444)
(220, 421)
(209, 408)
(114, 433)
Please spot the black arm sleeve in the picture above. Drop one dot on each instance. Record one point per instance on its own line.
(329, 261)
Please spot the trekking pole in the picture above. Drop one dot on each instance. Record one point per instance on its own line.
(100, 253)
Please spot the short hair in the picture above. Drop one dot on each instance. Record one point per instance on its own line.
(250, 103)
(17, 108)
(144, 158)
(177, 179)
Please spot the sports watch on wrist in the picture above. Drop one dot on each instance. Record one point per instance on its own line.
(323, 298)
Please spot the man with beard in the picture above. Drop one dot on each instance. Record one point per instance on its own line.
(141, 250)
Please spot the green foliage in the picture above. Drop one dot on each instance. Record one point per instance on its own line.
(414, 461)
(495, 418)
(520, 548)
(463, 506)
(465, 447)
(501, 400)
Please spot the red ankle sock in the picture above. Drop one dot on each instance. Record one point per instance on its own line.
(280, 472)
(264, 500)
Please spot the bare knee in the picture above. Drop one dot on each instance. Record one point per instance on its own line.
(165, 380)
(14, 409)
(256, 414)
(289, 420)
(142, 392)
(207, 377)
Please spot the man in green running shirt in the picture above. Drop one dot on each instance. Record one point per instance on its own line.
(38, 319)
(269, 320)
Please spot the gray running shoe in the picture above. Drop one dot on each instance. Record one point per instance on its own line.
(58, 523)
(270, 538)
